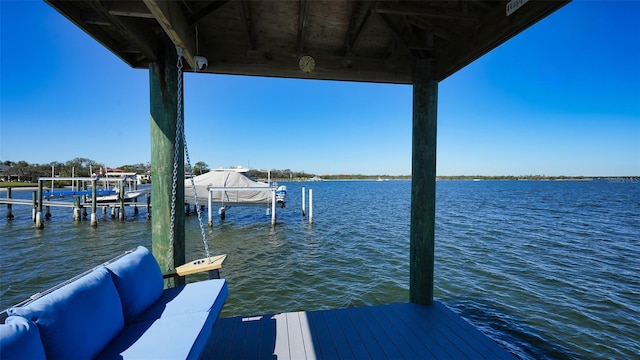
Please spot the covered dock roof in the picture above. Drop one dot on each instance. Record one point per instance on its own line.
(372, 41)
(404, 42)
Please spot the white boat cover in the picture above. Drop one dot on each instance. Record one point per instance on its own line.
(238, 188)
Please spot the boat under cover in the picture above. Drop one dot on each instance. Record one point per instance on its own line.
(230, 187)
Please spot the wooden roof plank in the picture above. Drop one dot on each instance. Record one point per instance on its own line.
(305, 9)
(170, 16)
(265, 38)
(245, 14)
(204, 12)
(355, 31)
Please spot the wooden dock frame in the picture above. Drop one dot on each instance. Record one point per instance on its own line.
(163, 87)
(423, 183)
(496, 23)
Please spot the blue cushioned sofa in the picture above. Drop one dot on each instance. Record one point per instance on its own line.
(119, 310)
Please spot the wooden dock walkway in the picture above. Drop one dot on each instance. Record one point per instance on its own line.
(30, 202)
(398, 331)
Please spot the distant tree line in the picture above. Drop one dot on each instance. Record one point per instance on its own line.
(365, 177)
(286, 174)
(511, 177)
(80, 167)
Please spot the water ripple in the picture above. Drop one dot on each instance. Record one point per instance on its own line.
(547, 269)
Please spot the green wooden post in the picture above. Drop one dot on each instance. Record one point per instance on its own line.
(163, 102)
(423, 183)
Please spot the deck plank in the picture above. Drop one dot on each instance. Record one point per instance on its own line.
(220, 336)
(397, 331)
(298, 332)
(322, 340)
(360, 345)
(389, 344)
(470, 335)
(420, 333)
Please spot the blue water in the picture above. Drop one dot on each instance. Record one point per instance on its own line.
(549, 269)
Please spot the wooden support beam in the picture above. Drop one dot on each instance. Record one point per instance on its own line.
(410, 9)
(305, 9)
(163, 82)
(423, 183)
(247, 24)
(353, 35)
(134, 31)
(170, 16)
(394, 29)
(133, 9)
(281, 64)
(205, 11)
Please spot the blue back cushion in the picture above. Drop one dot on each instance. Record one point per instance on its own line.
(78, 320)
(138, 279)
(20, 339)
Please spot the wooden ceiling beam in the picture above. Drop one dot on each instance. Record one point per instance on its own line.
(204, 12)
(171, 18)
(245, 14)
(304, 10)
(355, 31)
(330, 67)
(133, 9)
(132, 30)
(394, 29)
(408, 10)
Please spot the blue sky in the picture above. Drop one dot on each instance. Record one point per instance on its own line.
(561, 98)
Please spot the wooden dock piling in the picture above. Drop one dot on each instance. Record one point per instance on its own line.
(39, 224)
(76, 209)
(310, 206)
(209, 210)
(163, 89)
(94, 202)
(34, 208)
(273, 207)
(121, 198)
(423, 183)
(303, 202)
(148, 196)
(9, 214)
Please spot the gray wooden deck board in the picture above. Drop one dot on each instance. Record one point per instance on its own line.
(398, 331)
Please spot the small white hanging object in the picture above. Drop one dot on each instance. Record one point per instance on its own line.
(200, 265)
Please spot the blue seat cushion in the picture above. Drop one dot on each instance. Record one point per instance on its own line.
(202, 296)
(79, 319)
(20, 339)
(138, 279)
(172, 338)
(177, 326)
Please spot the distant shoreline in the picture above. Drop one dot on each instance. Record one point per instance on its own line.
(343, 177)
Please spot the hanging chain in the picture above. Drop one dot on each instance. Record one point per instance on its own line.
(176, 158)
(180, 134)
(195, 200)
